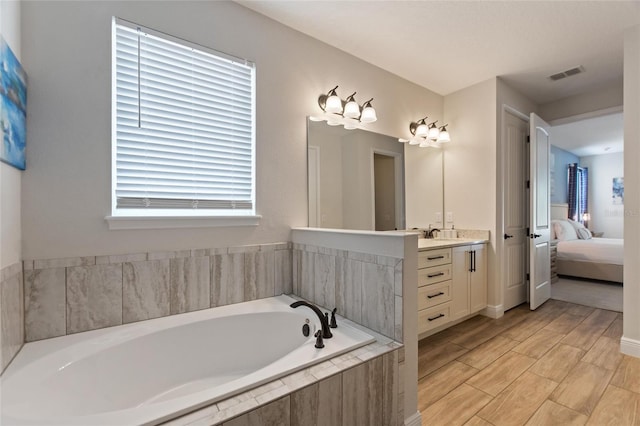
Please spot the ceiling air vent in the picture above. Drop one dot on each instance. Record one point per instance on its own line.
(567, 73)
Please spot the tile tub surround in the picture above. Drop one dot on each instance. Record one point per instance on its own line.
(71, 295)
(11, 313)
(363, 287)
(370, 277)
(356, 388)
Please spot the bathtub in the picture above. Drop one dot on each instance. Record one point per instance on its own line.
(151, 371)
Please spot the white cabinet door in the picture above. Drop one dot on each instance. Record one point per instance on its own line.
(460, 282)
(478, 278)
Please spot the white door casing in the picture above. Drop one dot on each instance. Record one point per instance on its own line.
(539, 215)
(516, 201)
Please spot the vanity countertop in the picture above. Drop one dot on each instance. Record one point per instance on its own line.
(428, 244)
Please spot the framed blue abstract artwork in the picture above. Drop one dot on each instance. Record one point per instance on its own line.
(13, 108)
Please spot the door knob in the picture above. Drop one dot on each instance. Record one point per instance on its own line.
(535, 235)
(507, 236)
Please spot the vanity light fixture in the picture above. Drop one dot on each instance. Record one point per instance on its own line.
(443, 135)
(345, 113)
(427, 135)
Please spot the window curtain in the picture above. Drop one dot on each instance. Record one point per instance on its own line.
(577, 192)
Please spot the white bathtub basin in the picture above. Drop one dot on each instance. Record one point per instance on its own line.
(151, 371)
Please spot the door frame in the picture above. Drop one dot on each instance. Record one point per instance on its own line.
(498, 311)
(398, 170)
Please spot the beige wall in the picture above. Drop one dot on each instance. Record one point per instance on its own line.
(10, 177)
(605, 216)
(67, 186)
(470, 163)
(608, 96)
(631, 336)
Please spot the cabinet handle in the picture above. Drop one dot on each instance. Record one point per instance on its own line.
(439, 274)
(435, 257)
(436, 317)
(473, 263)
(431, 296)
(470, 260)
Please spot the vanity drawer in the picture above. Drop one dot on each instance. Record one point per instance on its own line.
(434, 258)
(431, 318)
(434, 294)
(434, 275)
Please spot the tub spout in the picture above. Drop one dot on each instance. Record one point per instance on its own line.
(326, 331)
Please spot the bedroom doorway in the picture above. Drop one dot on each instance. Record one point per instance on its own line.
(596, 143)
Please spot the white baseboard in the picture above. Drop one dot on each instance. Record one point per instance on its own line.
(630, 347)
(414, 420)
(493, 311)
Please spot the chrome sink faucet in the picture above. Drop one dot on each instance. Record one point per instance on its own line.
(326, 330)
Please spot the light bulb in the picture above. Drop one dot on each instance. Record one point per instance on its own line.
(444, 137)
(334, 104)
(350, 123)
(368, 113)
(422, 130)
(433, 131)
(352, 109)
(415, 140)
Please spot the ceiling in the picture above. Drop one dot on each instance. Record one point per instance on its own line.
(446, 46)
(592, 136)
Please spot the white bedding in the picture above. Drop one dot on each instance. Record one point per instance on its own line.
(598, 250)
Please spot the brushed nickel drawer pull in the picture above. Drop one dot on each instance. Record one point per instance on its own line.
(431, 296)
(439, 274)
(436, 317)
(435, 257)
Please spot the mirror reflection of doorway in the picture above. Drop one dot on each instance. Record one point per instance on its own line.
(384, 192)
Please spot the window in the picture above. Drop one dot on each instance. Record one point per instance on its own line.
(183, 127)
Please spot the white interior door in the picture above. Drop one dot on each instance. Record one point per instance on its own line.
(539, 217)
(516, 202)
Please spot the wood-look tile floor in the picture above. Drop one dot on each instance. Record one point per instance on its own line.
(558, 365)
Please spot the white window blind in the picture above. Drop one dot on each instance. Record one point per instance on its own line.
(184, 125)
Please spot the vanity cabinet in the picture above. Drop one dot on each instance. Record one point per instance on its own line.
(469, 280)
(452, 284)
(434, 288)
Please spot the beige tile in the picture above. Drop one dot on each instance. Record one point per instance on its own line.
(274, 413)
(260, 275)
(439, 383)
(11, 316)
(617, 407)
(586, 334)
(488, 352)
(390, 387)
(615, 329)
(227, 279)
(362, 394)
(564, 323)
(478, 335)
(501, 373)
(525, 329)
(580, 310)
(475, 421)
(456, 407)
(539, 344)
(318, 404)
(94, 297)
(45, 303)
(439, 355)
(551, 413)
(378, 303)
(145, 290)
(605, 353)
(190, 284)
(558, 362)
(518, 401)
(627, 376)
(583, 387)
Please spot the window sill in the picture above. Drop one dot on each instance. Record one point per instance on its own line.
(172, 222)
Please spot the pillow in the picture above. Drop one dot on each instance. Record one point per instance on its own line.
(564, 231)
(584, 233)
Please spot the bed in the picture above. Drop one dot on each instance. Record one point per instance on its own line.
(586, 257)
